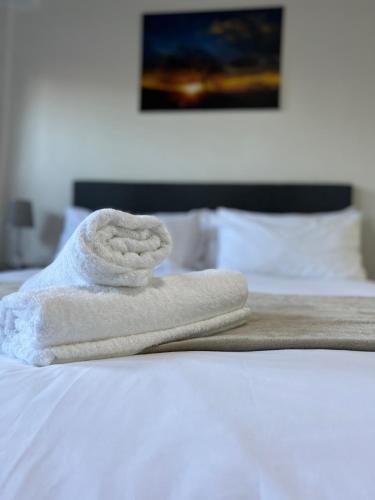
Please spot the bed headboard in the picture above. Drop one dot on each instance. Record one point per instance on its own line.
(179, 197)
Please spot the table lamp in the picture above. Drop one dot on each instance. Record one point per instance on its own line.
(20, 216)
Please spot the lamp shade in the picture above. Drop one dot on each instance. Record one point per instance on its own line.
(21, 213)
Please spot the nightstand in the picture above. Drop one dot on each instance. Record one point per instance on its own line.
(9, 267)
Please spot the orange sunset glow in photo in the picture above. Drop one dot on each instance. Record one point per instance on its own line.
(212, 60)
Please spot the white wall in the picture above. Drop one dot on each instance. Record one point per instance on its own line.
(2, 55)
(3, 20)
(4, 86)
(75, 107)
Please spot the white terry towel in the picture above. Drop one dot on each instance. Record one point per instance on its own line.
(65, 324)
(111, 248)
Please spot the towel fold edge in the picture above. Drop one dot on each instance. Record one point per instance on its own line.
(134, 344)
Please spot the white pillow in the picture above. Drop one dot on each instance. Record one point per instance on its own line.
(309, 246)
(208, 235)
(72, 219)
(184, 227)
(188, 244)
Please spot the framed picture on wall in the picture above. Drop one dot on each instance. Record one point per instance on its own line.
(227, 59)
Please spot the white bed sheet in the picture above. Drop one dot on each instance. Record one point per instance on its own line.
(276, 425)
(20, 275)
(298, 286)
(258, 283)
(287, 425)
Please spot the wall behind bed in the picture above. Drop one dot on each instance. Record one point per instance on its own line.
(75, 106)
(4, 60)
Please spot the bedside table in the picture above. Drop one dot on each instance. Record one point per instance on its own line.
(8, 267)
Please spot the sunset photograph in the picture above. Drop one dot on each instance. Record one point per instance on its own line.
(211, 60)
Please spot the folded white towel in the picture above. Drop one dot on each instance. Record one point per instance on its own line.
(65, 324)
(108, 248)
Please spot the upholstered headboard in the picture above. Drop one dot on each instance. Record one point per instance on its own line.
(157, 197)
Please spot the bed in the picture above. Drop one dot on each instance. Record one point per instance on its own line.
(270, 425)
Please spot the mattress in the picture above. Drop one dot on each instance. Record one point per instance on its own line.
(268, 425)
(277, 425)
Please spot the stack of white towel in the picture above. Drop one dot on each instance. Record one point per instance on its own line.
(98, 298)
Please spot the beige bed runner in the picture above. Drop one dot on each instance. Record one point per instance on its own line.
(294, 322)
(287, 322)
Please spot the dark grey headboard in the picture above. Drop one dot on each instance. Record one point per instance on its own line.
(155, 197)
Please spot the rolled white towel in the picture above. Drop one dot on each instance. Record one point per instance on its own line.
(108, 248)
(67, 324)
